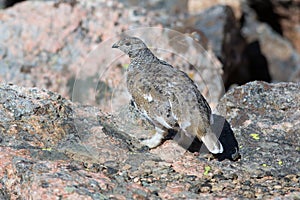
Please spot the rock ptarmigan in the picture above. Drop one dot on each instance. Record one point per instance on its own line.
(167, 97)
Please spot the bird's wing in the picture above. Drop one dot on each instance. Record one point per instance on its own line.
(152, 93)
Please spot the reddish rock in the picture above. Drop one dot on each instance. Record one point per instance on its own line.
(66, 54)
(103, 158)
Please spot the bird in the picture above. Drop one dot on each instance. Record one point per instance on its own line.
(167, 97)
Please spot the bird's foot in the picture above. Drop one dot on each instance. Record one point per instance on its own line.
(154, 141)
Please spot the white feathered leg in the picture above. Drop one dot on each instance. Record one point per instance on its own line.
(156, 139)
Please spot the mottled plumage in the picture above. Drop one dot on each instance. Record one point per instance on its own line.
(167, 97)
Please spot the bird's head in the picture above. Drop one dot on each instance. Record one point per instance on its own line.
(130, 45)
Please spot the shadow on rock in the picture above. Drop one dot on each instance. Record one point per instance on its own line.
(227, 138)
(221, 128)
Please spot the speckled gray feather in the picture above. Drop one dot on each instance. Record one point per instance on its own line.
(166, 95)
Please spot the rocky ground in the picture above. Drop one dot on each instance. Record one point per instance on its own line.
(52, 148)
(79, 137)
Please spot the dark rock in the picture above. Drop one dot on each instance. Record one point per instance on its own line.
(266, 13)
(215, 23)
(268, 119)
(220, 27)
(282, 16)
(261, 52)
(282, 58)
(8, 3)
(254, 67)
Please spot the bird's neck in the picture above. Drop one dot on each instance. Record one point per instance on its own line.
(142, 56)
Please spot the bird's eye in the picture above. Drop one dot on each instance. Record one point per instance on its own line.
(127, 43)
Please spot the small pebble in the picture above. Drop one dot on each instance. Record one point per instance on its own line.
(277, 187)
(205, 188)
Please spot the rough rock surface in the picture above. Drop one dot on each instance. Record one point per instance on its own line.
(169, 6)
(196, 6)
(282, 58)
(267, 49)
(219, 25)
(57, 54)
(266, 121)
(74, 151)
(282, 15)
(49, 53)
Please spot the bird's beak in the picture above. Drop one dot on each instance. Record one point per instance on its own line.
(115, 45)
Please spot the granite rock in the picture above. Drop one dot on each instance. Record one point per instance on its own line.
(76, 151)
(58, 54)
(282, 58)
